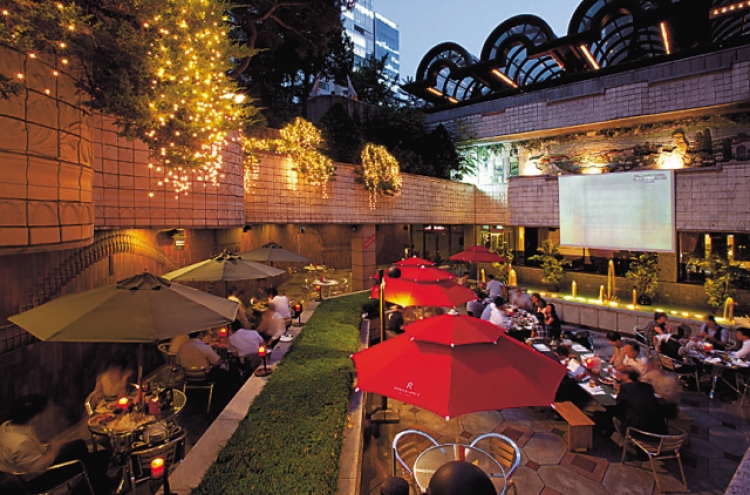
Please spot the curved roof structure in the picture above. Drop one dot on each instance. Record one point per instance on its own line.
(523, 53)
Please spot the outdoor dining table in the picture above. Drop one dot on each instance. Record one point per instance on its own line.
(434, 457)
(121, 428)
(718, 362)
(325, 285)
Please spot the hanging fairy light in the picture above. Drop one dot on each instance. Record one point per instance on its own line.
(380, 174)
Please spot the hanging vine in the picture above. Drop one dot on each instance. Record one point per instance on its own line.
(380, 173)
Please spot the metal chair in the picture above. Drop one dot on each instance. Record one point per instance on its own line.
(68, 485)
(642, 337)
(679, 369)
(406, 444)
(197, 378)
(656, 447)
(172, 451)
(169, 357)
(504, 450)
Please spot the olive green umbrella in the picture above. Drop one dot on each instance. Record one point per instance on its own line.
(272, 252)
(223, 268)
(140, 309)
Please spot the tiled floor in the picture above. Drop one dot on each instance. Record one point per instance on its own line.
(719, 437)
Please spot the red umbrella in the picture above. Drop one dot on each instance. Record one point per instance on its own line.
(477, 254)
(451, 381)
(454, 329)
(414, 261)
(423, 274)
(407, 293)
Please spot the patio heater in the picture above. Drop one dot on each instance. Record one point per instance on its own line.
(384, 415)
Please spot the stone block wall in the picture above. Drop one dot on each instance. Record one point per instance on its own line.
(46, 151)
(535, 202)
(123, 181)
(275, 195)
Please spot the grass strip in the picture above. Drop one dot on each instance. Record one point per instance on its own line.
(291, 439)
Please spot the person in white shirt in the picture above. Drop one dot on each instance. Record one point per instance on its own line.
(280, 304)
(244, 344)
(743, 335)
(495, 287)
(633, 359)
(497, 315)
(272, 326)
(487, 313)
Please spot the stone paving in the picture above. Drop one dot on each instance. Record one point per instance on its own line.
(720, 435)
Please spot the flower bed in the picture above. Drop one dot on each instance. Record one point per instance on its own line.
(290, 441)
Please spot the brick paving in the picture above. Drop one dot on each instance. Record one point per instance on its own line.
(720, 435)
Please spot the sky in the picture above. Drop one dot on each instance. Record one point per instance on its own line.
(426, 23)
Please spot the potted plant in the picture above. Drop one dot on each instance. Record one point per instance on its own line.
(552, 263)
(719, 274)
(644, 275)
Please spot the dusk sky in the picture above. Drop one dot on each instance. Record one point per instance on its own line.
(425, 23)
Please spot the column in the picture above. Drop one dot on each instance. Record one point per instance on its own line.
(364, 265)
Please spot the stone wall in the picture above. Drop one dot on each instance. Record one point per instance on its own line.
(45, 159)
(124, 180)
(275, 195)
(694, 85)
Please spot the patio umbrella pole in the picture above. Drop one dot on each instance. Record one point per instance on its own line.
(140, 373)
(383, 415)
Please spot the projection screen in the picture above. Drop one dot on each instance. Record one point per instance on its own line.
(619, 211)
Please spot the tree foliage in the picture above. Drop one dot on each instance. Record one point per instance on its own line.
(552, 262)
(297, 41)
(372, 83)
(341, 134)
(644, 274)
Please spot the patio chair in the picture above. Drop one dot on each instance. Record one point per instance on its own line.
(196, 378)
(406, 445)
(640, 336)
(172, 451)
(170, 358)
(656, 447)
(679, 369)
(504, 450)
(80, 476)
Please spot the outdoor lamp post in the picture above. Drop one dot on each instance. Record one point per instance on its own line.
(262, 351)
(384, 415)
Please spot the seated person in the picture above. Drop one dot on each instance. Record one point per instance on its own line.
(464, 280)
(520, 299)
(176, 342)
(280, 304)
(197, 354)
(23, 452)
(272, 326)
(576, 370)
(633, 359)
(714, 333)
(497, 314)
(551, 321)
(637, 406)
(743, 336)
(238, 296)
(244, 344)
(658, 326)
(395, 319)
(537, 306)
(666, 384)
(113, 383)
(618, 349)
(475, 308)
(487, 313)
(672, 345)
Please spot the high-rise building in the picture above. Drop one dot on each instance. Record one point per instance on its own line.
(372, 35)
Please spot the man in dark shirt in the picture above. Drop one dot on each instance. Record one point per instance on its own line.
(637, 406)
(395, 320)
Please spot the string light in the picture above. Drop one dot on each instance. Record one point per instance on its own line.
(301, 141)
(381, 173)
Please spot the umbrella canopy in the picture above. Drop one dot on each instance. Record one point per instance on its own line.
(453, 329)
(140, 309)
(407, 293)
(451, 381)
(423, 274)
(223, 268)
(414, 261)
(273, 252)
(477, 254)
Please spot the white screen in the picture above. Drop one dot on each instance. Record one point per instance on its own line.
(629, 211)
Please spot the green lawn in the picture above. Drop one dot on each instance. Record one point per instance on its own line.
(291, 439)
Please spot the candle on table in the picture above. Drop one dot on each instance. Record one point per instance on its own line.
(157, 468)
(123, 403)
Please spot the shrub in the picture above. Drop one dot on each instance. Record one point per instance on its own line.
(291, 439)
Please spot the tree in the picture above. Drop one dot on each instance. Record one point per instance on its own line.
(438, 150)
(341, 133)
(297, 41)
(372, 83)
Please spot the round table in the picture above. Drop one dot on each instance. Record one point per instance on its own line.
(325, 284)
(719, 361)
(434, 457)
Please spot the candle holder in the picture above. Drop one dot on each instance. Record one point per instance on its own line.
(159, 470)
(262, 351)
